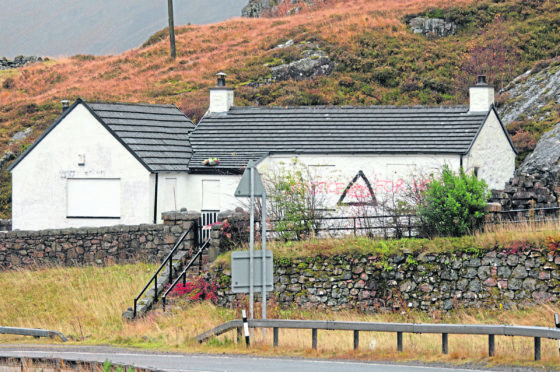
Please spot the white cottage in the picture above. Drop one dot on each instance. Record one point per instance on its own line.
(112, 163)
(383, 148)
(103, 164)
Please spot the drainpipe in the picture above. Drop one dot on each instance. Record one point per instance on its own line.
(460, 162)
(155, 199)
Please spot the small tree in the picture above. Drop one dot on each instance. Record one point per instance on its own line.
(294, 200)
(453, 205)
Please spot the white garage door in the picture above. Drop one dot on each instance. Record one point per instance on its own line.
(94, 198)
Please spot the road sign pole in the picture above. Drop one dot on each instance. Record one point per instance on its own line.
(252, 243)
(263, 233)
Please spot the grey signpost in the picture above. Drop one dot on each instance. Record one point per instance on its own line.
(251, 186)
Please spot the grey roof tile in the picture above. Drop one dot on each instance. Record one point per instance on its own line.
(375, 129)
(156, 134)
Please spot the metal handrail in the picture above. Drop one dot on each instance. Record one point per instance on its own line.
(169, 259)
(183, 274)
(35, 332)
(399, 328)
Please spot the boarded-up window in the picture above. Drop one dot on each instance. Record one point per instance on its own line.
(93, 198)
(210, 195)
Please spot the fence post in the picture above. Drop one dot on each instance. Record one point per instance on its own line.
(354, 226)
(491, 340)
(356, 339)
(275, 336)
(537, 348)
(409, 228)
(239, 334)
(444, 343)
(314, 338)
(399, 341)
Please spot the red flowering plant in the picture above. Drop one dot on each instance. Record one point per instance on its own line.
(553, 245)
(196, 290)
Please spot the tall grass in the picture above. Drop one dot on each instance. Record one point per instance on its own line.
(86, 304)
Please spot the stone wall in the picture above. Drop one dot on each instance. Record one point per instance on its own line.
(427, 282)
(100, 245)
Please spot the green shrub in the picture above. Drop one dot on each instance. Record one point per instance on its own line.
(453, 205)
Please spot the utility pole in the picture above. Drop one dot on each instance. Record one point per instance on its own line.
(171, 28)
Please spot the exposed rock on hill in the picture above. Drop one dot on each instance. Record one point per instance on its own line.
(536, 184)
(19, 61)
(434, 27)
(314, 63)
(533, 95)
(255, 8)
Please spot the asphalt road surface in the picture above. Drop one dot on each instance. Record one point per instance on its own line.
(162, 361)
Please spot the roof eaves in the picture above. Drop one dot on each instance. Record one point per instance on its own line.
(481, 125)
(44, 134)
(505, 130)
(492, 109)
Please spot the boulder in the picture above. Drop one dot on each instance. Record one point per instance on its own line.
(434, 27)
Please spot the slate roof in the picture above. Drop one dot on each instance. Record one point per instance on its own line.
(234, 161)
(338, 130)
(156, 135)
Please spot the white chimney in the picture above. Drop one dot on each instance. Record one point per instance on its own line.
(221, 97)
(481, 95)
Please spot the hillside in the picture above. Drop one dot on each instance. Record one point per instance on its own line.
(375, 59)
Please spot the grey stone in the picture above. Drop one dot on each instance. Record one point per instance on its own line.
(462, 284)
(434, 27)
(520, 272)
(475, 286)
(449, 275)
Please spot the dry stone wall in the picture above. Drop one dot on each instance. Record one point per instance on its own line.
(427, 282)
(98, 246)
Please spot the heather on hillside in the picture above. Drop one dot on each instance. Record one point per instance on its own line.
(379, 60)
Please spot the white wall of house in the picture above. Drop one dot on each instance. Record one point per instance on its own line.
(388, 175)
(212, 192)
(173, 192)
(49, 183)
(492, 154)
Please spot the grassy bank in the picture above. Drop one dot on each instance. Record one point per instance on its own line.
(86, 304)
(519, 236)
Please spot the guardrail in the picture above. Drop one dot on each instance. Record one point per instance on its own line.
(32, 332)
(399, 328)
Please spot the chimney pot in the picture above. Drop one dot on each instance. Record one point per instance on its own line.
(221, 79)
(481, 80)
(65, 105)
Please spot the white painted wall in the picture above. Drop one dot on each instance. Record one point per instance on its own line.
(492, 154)
(173, 192)
(222, 188)
(39, 181)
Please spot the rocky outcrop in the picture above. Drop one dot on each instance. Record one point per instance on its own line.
(19, 61)
(314, 63)
(255, 8)
(258, 8)
(536, 184)
(533, 95)
(434, 27)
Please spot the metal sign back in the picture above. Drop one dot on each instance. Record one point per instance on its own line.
(244, 187)
(240, 271)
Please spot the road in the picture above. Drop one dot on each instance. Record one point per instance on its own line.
(162, 361)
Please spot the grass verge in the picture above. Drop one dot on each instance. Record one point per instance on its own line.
(86, 304)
